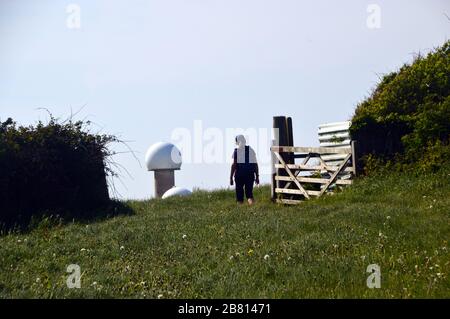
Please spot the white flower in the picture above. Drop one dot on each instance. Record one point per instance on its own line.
(388, 217)
(266, 257)
(83, 249)
(184, 236)
(94, 283)
(231, 257)
(38, 279)
(160, 296)
(19, 241)
(363, 257)
(122, 247)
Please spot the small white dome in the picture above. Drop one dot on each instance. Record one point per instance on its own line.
(162, 156)
(176, 191)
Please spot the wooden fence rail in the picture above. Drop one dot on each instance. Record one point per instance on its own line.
(291, 187)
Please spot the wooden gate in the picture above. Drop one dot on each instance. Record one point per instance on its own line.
(297, 182)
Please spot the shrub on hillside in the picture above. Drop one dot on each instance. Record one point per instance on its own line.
(408, 114)
(56, 168)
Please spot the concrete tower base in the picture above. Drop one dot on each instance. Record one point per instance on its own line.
(164, 180)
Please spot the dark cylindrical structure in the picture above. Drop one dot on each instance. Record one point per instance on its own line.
(164, 180)
(290, 139)
(281, 139)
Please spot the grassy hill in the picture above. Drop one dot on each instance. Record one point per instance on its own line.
(206, 246)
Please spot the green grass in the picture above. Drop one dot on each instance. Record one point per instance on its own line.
(207, 247)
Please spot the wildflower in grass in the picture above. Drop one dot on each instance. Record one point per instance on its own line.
(388, 217)
(363, 258)
(122, 247)
(19, 241)
(184, 236)
(266, 257)
(250, 252)
(231, 257)
(160, 296)
(335, 246)
(83, 249)
(38, 279)
(94, 283)
(381, 235)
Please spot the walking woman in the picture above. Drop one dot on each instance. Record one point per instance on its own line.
(244, 171)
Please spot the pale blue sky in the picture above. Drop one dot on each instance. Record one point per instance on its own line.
(144, 68)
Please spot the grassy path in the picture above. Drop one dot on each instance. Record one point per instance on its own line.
(206, 246)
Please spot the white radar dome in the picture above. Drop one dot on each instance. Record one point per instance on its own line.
(176, 191)
(163, 156)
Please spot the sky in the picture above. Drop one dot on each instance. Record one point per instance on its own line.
(200, 70)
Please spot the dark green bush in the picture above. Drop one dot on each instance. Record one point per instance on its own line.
(54, 168)
(408, 115)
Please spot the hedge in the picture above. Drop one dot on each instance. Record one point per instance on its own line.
(408, 114)
(53, 168)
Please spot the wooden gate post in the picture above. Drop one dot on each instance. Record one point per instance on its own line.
(355, 165)
(281, 134)
(274, 160)
(290, 139)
